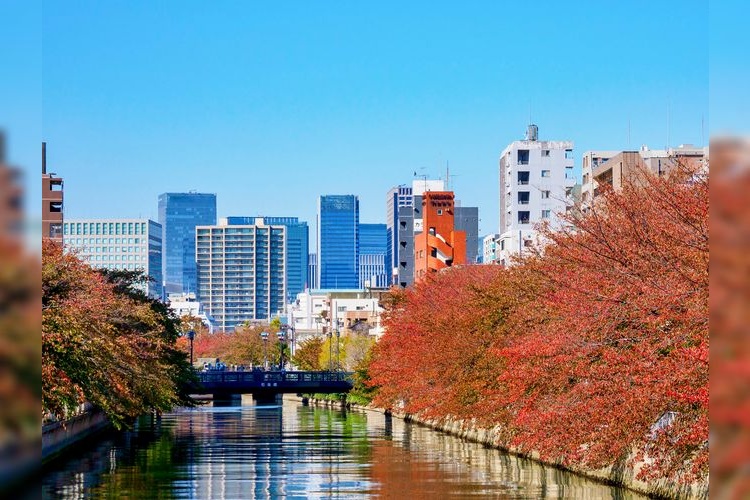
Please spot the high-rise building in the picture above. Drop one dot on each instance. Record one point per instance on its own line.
(338, 241)
(536, 184)
(297, 249)
(466, 219)
(241, 272)
(52, 202)
(179, 214)
(127, 244)
(398, 207)
(372, 254)
(439, 245)
(312, 271)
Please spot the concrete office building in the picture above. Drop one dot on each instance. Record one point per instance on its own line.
(536, 184)
(466, 219)
(398, 202)
(52, 202)
(297, 249)
(179, 214)
(312, 271)
(615, 168)
(126, 244)
(439, 245)
(372, 254)
(489, 246)
(338, 241)
(241, 272)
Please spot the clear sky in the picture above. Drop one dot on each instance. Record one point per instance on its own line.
(271, 105)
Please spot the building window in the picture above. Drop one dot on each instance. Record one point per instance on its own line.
(523, 197)
(523, 217)
(523, 178)
(545, 194)
(55, 230)
(568, 172)
(545, 173)
(523, 156)
(545, 214)
(440, 211)
(56, 185)
(545, 153)
(568, 154)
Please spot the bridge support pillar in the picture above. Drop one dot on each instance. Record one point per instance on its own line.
(267, 399)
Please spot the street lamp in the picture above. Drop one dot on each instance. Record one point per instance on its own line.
(338, 349)
(329, 333)
(281, 349)
(191, 336)
(264, 335)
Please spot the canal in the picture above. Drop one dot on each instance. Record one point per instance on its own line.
(296, 451)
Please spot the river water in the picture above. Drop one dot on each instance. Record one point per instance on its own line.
(295, 451)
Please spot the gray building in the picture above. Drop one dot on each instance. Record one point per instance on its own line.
(467, 219)
(241, 272)
(125, 244)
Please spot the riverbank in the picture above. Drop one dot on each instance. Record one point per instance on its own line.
(619, 475)
(57, 437)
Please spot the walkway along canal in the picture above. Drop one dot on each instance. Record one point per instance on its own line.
(297, 451)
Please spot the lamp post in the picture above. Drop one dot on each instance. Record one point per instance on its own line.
(338, 349)
(330, 350)
(264, 336)
(281, 336)
(191, 336)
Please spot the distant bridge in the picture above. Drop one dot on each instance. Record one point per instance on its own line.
(263, 384)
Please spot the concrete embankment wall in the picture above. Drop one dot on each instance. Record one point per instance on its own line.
(58, 436)
(619, 474)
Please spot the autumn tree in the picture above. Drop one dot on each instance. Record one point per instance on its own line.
(106, 344)
(307, 354)
(592, 349)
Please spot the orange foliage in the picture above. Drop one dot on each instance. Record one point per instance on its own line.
(579, 351)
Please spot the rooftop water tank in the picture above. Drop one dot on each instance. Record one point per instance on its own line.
(532, 134)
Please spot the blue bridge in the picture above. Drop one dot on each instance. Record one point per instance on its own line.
(268, 384)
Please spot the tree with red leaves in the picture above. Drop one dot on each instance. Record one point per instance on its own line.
(591, 352)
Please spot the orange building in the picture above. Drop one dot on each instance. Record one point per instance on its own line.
(439, 245)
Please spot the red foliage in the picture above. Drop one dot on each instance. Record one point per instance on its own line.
(579, 352)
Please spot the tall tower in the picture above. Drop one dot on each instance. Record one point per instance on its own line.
(338, 241)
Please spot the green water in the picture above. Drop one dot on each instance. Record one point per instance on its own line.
(294, 451)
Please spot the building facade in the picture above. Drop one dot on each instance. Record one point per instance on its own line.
(179, 214)
(466, 219)
(52, 202)
(615, 168)
(241, 272)
(439, 245)
(536, 184)
(398, 201)
(338, 241)
(373, 247)
(312, 271)
(297, 249)
(126, 244)
(489, 246)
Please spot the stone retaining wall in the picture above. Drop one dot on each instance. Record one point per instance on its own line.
(618, 474)
(58, 436)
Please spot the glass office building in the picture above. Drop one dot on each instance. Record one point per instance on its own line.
(241, 272)
(179, 214)
(297, 249)
(338, 242)
(373, 248)
(127, 244)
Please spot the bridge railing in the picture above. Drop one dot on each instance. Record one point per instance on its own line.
(223, 376)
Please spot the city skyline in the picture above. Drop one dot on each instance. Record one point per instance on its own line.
(339, 113)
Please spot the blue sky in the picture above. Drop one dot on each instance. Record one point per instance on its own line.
(271, 105)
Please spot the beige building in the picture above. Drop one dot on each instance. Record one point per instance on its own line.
(615, 168)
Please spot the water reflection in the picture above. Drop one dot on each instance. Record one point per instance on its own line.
(295, 451)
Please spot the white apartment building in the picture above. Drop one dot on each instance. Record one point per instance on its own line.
(489, 246)
(123, 244)
(187, 304)
(344, 310)
(536, 184)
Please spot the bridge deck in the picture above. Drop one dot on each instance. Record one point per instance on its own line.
(272, 382)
